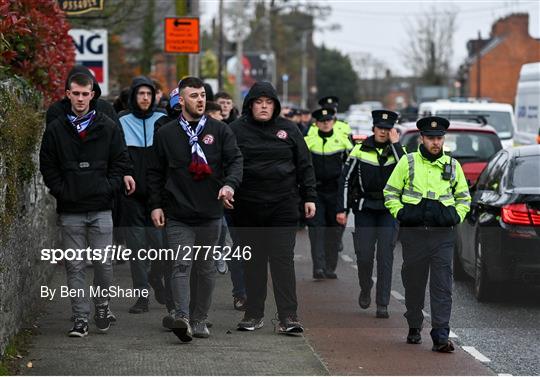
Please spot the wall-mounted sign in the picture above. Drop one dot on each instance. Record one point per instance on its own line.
(76, 7)
(91, 50)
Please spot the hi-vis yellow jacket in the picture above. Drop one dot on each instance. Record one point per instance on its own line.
(415, 178)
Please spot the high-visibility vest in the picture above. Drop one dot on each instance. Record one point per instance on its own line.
(415, 178)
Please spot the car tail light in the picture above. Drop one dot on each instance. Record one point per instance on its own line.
(520, 214)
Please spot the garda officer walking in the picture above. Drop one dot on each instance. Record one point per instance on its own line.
(328, 152)
(331, 102)
(363, 179)
(428, 194)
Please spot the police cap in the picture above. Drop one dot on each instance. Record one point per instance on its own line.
(433, 126)
(384, 118)
(323, 114)
(329, 101)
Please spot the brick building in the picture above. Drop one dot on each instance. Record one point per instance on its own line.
(501, 57)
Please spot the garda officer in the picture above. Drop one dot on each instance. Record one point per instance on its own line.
(328, 152)
(331, 102)
(363, 179)
(428, 194)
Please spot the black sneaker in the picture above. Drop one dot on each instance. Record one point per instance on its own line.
(79, 330)
(239, 303)
(382, 312)
(200, 329)
(101, 317)
(140, 306)
(111, 316)
(182, 329)
(447, 347)
(168, 320)
(330, 274)
(318, 275)
(414, 336)
(250, 324)
(364, 300)
(290, 325)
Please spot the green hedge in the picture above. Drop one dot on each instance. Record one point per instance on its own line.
(21, 126)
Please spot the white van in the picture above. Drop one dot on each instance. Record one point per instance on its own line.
(498, 115)
(527, 103)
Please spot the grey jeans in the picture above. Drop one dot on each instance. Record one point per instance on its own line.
(79, 231)
(183, 237)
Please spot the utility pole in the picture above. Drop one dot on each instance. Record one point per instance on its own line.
(239, 51)
(194, 59)
(478, 67)
(303, 103)
(182, 61)
(220, 47)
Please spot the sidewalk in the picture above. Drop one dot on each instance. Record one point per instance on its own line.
(138, 345)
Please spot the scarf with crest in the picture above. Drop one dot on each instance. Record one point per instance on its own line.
(198, 167)
(81, 123)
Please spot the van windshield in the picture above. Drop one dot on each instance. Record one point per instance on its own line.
(500, 120)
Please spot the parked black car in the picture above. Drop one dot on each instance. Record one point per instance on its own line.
(500, 239)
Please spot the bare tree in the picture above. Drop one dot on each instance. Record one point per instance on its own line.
(371, 71)
(429, 49)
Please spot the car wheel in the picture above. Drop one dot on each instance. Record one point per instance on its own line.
(483, 288)
(458, 272)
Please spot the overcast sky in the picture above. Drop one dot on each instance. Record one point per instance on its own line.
(380, 27)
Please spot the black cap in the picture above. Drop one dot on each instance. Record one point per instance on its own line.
(323, 114)
(384, 118)
(432, 126)
(329, 101)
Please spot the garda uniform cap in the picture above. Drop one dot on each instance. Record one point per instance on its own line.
(432, 126)
(329, 101)
(323, 114)
(384, 118)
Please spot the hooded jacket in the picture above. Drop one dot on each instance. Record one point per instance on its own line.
(138, 127)
(83, 174)
(277, 163)
(60, 108)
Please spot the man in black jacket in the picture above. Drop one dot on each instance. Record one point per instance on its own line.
(196, 169)
(277, 174)
(83, 159)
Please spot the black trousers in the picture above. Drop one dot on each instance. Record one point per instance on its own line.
(325, 233)
(428, 252)
(375, 228)
(270, 230)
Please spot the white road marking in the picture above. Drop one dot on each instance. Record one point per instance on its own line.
(425, 313)
(476, 354)
(354, 266)
(504, 374)
(452, 335)
(346, 258)
(397, 295)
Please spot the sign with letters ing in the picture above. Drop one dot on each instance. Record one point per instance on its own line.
(182, 35)
(91, 50)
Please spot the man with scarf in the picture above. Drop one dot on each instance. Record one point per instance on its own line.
(361, 188)
(428, 193)
(138, 124)
(277, 174)
(83, 158)
(196, 169)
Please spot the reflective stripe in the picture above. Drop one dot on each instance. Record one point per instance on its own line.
(369, 162)
(389, 197)
(328, 153)
(347, 177)
(410, 159)
(414, 194)
(446, 197)
(453, 164)
(392, 189)
(465, 202)
(463, 194)
(431, 195)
